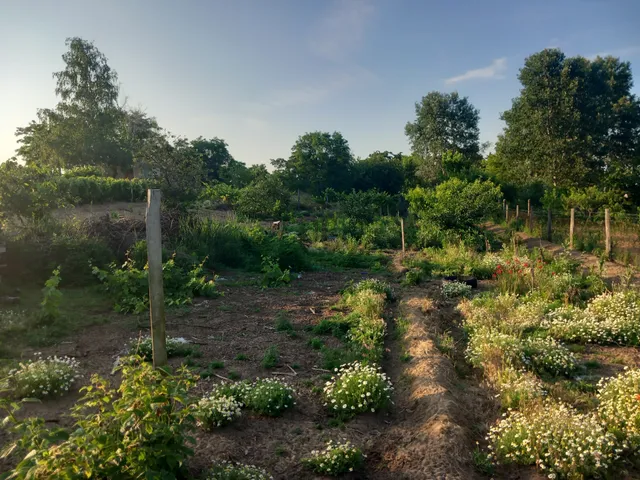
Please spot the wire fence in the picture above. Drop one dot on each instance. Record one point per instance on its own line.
(589, 230)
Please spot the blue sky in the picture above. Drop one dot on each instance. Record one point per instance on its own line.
(259, 73)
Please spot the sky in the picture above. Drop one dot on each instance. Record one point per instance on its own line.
(260, 73)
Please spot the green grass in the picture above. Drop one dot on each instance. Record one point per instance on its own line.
(241, 356)
(271, 357)
(316, 343)
(233, 375)
(283, 324)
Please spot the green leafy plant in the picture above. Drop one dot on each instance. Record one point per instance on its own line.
(273, 275)
(271, 357)
(316, 343)
(357, 388)
(455, 289)
(269, 396)
(43, 377)
(140, 430)
(216, 410)
(52, 297)
(619, 407)
(283, 324)
(176, 347)
(336, 459)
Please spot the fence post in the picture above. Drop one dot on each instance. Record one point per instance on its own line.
(529, 208)
(549, 237)
(571, 227)
(504, 204)
(156, 292)
(402, 230)
(507, 214)
(517, 212)
(607, 233)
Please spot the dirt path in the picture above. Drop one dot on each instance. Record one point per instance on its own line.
(612, 271)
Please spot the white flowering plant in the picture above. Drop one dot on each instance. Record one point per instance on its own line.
(515, 387)
(357, 388)
(559, 441)
(42, 377)
(608, 318)
(372, 285)
(269, 396)
(337, 458)
(487, 346)
(216, 411)
(176, 347)
(236, 471)
(455, 289)
(619, 407)
(548, 355)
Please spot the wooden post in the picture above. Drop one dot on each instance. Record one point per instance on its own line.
(607, 233)
(402, 230)
(529, 208)
(504, 204)
(156, 292)
(506, 213)
(517, 212)
(572, 222)
(549, 237)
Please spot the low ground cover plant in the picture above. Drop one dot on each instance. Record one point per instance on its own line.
(176, 347)
(270, 397)
(42, 377)
(337, 458)
(216, 410)
(455, 289)
(619, 407)
(236, 471)
(357, 388)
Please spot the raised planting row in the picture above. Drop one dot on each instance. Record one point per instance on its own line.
(515, 335)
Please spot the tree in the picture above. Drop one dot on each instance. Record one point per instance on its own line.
(215, 155)
(380, 170)
(318, 160)
(575, 123)
(85, 126)
(444, 122)
(265, 197)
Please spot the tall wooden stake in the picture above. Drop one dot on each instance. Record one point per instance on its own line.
(156, 291)
(402, 230)
(506, 214)
(549, 224)
(572, 223)
(529, 208)
(504, 204)
(517, 212)
(607, 233)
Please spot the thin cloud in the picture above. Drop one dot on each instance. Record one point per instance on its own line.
(341, 31)
(618, 52)
(496, 71)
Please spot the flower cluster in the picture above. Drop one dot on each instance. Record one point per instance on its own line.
(487, 345)
(336, 459)
(514, 275)
(269, 396)
(216, 410)
(455, 289)
(620, 406)
(176, 347)
(236, 471)
(357, 388)
(555, 438)
(609, 318)
(548, 355)
(43, 377)
(372, 285)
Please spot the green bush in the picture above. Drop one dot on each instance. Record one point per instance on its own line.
(236, 471)
(140, 430)
(384, 232)
(336, 459)
(266, 197)
(269, 396)
(176, 347)
(216, 411)
(42, 378)
(94, 189)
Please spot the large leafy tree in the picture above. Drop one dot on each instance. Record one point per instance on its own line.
(380, 170)
(575, 123)
(445, 122)
(215, 155)
(86, 126)
(319, 160)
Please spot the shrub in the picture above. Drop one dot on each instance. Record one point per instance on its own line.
(42, 378)
(357, 388)
(81, 190)
(283, 324)
(516, 388)
(236, 471)
(619, 407)
(384, 232)
(265, 197)
(488, 346)
(271, 357)
(273, 275)
(372, 285)
(52, 297)
(336, 459)
(455, 289)
(216, 410)
(560, 441)
(176, 347)
(269, 396)
(140, 430)
(547, 355)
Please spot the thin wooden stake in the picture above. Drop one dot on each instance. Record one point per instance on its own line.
(504, 204)
(507, 214)
(517, 212)
(572, 223)
(607, 233)
(529, 208)
(156, 291)
(402, 230)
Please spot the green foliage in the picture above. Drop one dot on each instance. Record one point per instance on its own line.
(273, 275)
(316, 343)
(218, 194)
(84, 171)
(236, 471)
(266, 197)
(140, 430)
(271, 357)
(357, 388)
(269, 396)
(336, 459)
(129, 285)
(52, 297)
(362, 206)
(455, 289)
(619, 407)
(176, 347)
(384, 232)
(382, 171)
(283, 324)
(444, 122)
(41, 378)
(216, 411)
(80, 190)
